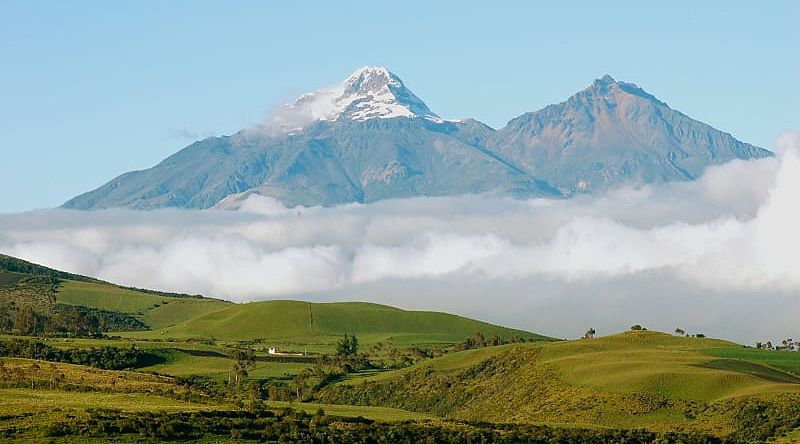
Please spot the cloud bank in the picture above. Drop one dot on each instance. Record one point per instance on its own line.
(718, 255)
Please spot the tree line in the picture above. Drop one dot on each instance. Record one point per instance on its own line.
(107, 358)
(63, 320)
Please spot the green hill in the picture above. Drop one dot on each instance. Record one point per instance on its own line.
(629, 380)
(9, 264)
(157, 310)
(298, 321)
(181, 316)
(24, 283)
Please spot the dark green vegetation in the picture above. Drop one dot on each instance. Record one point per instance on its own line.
(199, 369)
(112, 358)
(287, 425)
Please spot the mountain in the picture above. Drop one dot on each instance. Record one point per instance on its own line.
(371, 138)
(611, 133)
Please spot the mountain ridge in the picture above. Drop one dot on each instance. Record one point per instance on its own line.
(371, 138)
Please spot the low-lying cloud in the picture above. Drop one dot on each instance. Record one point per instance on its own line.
(717, 255)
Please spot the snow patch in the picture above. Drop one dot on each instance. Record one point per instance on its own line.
(368, 93)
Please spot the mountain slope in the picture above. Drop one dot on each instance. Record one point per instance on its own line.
(611, 133)
(294, 320)
(371, 138)
(367, 139)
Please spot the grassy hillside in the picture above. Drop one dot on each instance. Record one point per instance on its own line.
(634, 379)
(34, 395)
(15, 265)
(298, 321)
(291, 322)
(25, 283)
(155, 310)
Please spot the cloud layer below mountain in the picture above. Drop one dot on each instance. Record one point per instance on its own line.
(719, 254)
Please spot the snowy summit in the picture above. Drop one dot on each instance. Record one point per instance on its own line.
(368, 93)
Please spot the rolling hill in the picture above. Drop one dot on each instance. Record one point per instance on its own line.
(633, 380)
(156, 311)
(171, 315)
(46, 290)
(628, 380)
(295, 320)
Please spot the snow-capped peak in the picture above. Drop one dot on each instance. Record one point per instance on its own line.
(368, 93)
(371, 79)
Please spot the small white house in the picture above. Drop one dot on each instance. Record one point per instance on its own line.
(272, 351)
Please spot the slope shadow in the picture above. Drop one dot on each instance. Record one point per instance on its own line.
(752, 369)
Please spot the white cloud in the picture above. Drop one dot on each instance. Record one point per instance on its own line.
(719, 253)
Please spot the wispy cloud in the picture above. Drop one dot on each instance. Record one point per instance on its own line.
(717, 254)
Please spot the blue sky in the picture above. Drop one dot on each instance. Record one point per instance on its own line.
(89, 90)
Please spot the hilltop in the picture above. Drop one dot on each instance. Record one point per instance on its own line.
(296, 320)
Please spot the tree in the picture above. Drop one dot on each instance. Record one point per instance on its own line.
(347, 346)
(6, 321)
(637, 327)
(679, 331)
(300, 383)
(589, 333)
(27, 321)
(478, 340)
(243, 359)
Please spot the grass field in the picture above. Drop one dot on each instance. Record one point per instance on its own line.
(44, 374)
(788, 362)
(154, 310)
(29, 412)
(319, 323)
(39, 396)
(661, 364)
(183, 363)
(629, 380)
(790, 438)
(16, 402)
(642, 362)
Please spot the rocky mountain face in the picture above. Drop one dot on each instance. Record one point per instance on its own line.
(370, 138)
(611, 133)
